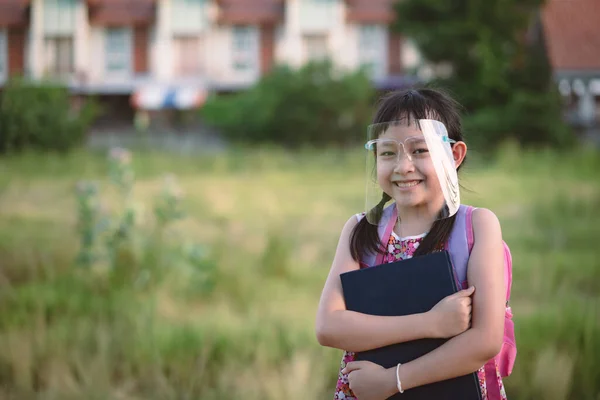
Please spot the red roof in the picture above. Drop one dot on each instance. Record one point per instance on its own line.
(370, 11)
(118, 12)
(250, 11)
(572, 30)
(13, 12)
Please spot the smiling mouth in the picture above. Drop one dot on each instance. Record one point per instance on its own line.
(407, 184)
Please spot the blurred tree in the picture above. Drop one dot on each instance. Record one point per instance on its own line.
(495, 53)
(41, 116)
(312, 105)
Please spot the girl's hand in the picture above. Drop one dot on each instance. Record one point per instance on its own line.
(452, 315)
(370, 381)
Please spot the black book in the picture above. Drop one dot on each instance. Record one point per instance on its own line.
(408, 287)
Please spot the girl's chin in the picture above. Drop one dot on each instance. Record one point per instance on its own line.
(405, 201)
(410, 195)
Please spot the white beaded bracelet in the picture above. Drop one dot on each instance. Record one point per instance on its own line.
(398, 383)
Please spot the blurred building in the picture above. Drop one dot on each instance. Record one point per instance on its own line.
(157, 54)
(171, 52)
(572, 35)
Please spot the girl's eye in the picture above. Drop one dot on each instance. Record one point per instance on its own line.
(387, 154)
(421, 150)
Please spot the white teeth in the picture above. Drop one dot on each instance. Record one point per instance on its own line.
(407, 184)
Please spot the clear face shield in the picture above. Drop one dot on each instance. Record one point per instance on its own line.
(410, 163)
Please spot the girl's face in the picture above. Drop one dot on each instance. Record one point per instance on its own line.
(406, 171)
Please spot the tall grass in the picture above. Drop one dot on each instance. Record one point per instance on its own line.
(226, 309)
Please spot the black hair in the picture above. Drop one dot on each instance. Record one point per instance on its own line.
(422, 103)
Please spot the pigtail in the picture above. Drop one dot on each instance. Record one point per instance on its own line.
(437, 237)
(365, 235)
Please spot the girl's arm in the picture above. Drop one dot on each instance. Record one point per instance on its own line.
(468, 352)
(352, 331)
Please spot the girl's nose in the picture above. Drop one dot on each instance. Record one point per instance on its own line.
(403, 164)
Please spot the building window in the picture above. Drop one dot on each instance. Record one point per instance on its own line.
(372, 44)
(59, 28)
(318, 3)
(188, 16)
(244, 48)
(3, 56)
(316, 47)
(118, 51)
(317, 16)
(411, 57)
(58, 56)
(59, 17)
(187, 55)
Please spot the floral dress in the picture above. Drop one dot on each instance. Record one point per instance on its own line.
(401, 249)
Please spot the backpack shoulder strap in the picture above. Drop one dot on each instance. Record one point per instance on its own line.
(458, 244)
(507, 270)
(385, 228)
(469, 227)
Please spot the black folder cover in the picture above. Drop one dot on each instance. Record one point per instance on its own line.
(408, 287)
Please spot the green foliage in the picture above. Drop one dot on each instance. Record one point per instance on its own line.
(277, 255)
(499, 69)
(117, 241)
(314, 105)
(243, 306)
(41, 117)
(530, 119)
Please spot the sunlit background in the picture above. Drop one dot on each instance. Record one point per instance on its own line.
(175, 174)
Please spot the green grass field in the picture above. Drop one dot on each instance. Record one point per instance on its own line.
(237, 319)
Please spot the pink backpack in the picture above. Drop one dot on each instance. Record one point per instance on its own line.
(459, 246)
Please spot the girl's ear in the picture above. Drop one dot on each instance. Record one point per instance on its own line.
(459, 151)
